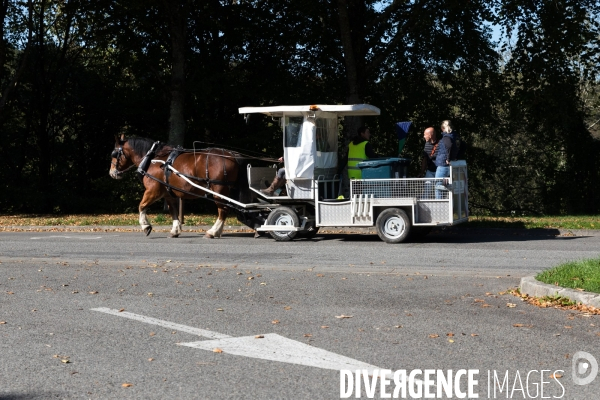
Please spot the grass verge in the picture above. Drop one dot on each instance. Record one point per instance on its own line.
(106, 219)
(546, 222)
(582, 274)
(549, 222)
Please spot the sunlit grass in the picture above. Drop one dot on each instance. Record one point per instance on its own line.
(547, 222)
(582, 274)
(106, 220)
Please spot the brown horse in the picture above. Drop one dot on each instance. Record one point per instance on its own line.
(216, 169)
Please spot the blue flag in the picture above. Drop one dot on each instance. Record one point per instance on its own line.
(402, 133)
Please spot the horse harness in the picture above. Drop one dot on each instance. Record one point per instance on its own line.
(145, 164)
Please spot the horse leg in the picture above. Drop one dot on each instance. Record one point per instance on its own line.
(144, 223)
(149, 197)
(217, 229)
(174, 209)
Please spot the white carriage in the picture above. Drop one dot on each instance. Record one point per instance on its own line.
(399, 207)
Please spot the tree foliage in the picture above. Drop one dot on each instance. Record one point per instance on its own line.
(73, 74)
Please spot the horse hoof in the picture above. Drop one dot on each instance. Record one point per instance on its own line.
(148, 230)
(208, 236)
(174, 235)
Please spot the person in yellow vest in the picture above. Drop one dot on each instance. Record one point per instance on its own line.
(359, 149)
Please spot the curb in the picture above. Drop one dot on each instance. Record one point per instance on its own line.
(532, 287)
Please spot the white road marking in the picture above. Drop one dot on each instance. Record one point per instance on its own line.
(272, 347)
(66, 237)
(166, 324)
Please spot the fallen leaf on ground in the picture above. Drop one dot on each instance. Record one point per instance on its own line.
(450, 334)
(568, 327)
(324, 327)
(511, 305)
(259, 337)
(555, 376)
(275, 321)
(217, 350)
(127, 385)
(65, 361)
(287, 308)
(434, 335)
(474, 334)
(121, 310)
(307, 335)
(94, 292)
(4, 322)
(343, 316)
(151, 359)
(522, 325)
(450, 340)
(152, 333)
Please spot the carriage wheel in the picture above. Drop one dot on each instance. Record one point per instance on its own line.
(283, 216)
(393, 225)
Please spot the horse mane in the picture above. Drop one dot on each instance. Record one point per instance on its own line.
(141, 145)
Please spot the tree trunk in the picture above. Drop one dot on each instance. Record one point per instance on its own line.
(176, 120)
(351, 45)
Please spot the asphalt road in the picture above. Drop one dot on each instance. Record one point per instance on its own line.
(435, 304)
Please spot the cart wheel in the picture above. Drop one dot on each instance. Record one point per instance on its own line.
(393, 225)
(419, 232)
(283, 216)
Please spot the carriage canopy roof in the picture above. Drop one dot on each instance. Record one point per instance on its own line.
(340, 110)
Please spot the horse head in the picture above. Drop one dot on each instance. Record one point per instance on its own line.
(121, 158)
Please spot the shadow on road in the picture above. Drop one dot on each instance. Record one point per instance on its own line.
(438, 235)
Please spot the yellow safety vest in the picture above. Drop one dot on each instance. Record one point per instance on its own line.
(356, 154)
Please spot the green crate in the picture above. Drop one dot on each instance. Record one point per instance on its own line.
(384, 168)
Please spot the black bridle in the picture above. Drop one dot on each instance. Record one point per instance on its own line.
(117, 154)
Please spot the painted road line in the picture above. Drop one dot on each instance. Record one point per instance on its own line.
(272, 346)
(66, 237)
(165, 324)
